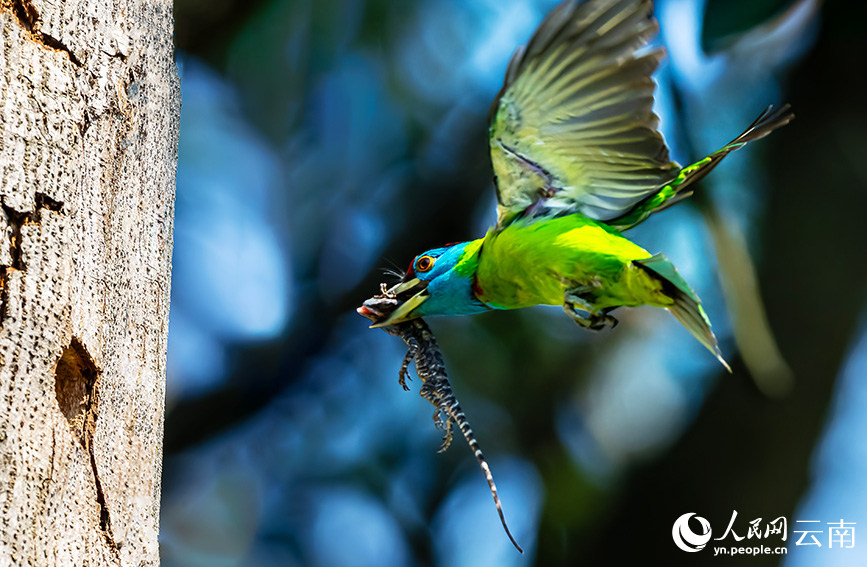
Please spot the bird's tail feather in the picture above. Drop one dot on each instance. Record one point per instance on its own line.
(686, 307)
(767, 122)
(681, 187)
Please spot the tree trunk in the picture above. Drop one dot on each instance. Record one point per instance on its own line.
(89, 113)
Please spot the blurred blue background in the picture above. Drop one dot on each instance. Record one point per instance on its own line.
(323, 142)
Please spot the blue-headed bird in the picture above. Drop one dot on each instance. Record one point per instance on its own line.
(577, 159)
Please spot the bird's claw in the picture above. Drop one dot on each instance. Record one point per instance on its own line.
(595, 321)
(601, 320)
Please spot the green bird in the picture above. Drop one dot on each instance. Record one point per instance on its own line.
(577, 160)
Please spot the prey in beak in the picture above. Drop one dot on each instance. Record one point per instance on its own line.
(409, 294)
(438, 282)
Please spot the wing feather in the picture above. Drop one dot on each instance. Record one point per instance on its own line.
(573, 124)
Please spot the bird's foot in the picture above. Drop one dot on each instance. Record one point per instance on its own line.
(600, 321)
(585, 315)
(592, 321)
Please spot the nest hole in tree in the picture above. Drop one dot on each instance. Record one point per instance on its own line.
(75, 386)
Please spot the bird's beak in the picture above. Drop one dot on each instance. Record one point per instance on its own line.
(405, 309)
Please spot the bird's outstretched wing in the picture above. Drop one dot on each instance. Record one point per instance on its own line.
(572, 129)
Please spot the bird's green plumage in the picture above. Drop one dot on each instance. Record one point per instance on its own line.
(577, 160)
(534, 262)
(468, 263)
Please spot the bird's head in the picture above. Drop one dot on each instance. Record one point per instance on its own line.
(438, 282)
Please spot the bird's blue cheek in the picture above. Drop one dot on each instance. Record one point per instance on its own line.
(436, 304)
(450, 296)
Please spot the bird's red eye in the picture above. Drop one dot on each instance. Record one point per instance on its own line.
(424, 263)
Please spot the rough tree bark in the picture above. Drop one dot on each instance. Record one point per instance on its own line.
(89, 111)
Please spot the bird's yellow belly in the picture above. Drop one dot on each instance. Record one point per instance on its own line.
(533, 263)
